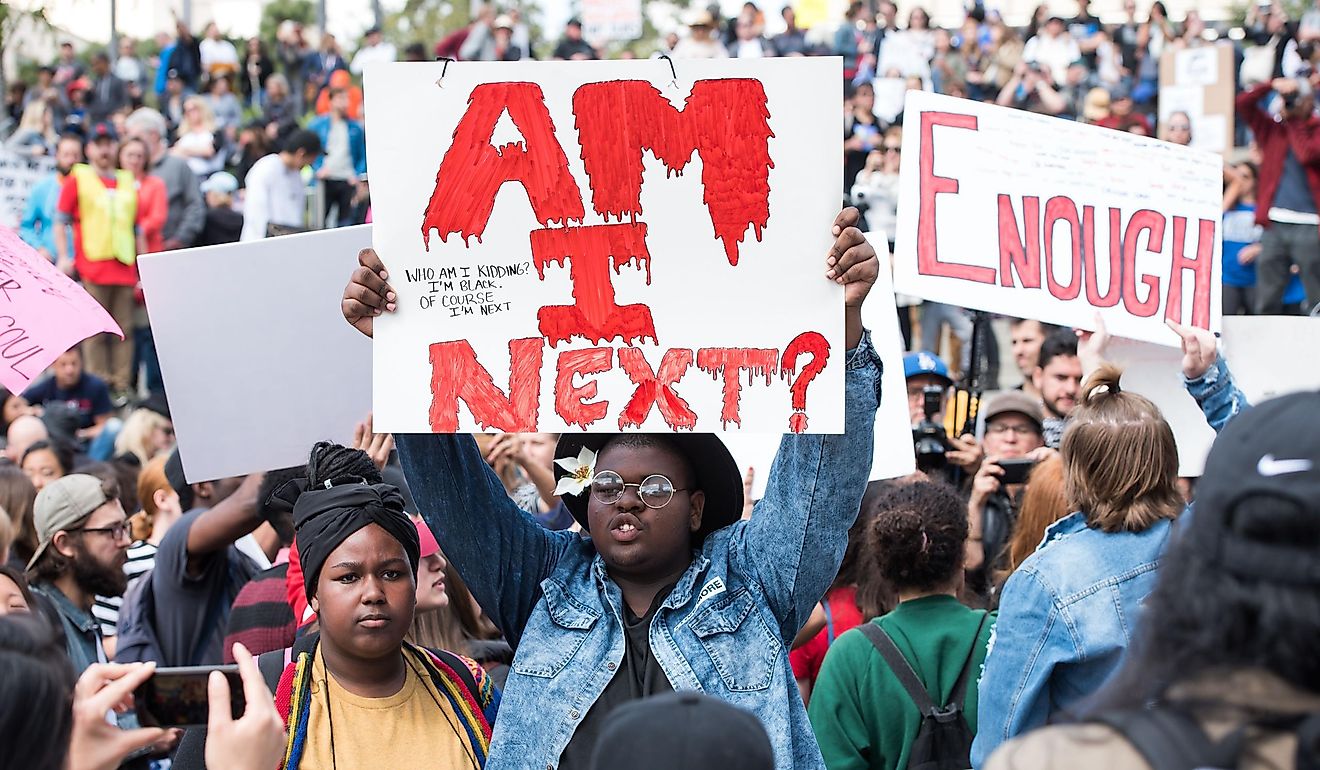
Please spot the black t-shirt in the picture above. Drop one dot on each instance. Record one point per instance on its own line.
(639, 675)
(90, 397)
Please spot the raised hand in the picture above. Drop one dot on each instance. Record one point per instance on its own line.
(367, 294)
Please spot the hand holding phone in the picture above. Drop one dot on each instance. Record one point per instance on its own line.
(1016, 471)
(256, 740)
(98, 744)
(177, 697)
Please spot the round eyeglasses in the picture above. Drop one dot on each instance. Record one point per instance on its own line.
(655, 490)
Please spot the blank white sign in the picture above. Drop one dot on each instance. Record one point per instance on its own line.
(258, 361)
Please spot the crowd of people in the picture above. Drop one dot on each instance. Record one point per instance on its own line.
(1045, 591)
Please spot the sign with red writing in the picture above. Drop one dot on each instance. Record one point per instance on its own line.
(606, 246)
(1011, 212)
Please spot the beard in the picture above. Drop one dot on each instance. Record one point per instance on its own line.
(96, 578)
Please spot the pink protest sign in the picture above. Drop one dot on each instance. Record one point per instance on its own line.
(42, 313)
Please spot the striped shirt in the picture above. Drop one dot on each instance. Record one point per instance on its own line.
(141, 557)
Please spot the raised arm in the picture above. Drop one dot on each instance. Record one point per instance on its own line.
(796, 537)
(501, 552)
(1248, 107)
(1207, 378)
(231, 518)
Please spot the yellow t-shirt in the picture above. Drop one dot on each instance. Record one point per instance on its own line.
(395, 732)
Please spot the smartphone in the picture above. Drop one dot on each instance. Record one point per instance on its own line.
(1015, 471)
(176, 697)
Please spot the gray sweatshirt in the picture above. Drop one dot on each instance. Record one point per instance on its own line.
(187, 209)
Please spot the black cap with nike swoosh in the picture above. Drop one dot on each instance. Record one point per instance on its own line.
(1272, 450)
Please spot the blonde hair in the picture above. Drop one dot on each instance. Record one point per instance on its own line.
(204, 109)
(1120, 459)
(133, 438)
(1043, 503)
(34, 119)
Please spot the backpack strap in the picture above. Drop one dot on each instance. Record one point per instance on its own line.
(460, 668)
(1170, 739)
(829, 623)
(901, 668)
(272, 665)
(959, 694)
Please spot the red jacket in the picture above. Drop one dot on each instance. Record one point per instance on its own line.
(1274, 136)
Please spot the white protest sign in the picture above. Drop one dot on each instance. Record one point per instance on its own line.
(590, 246)
(610, 20)
(1011, 212)
(894, 455)
(258, 361)
(1261, 351)
(18, 175)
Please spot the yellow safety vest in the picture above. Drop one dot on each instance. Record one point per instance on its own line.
(107, 217)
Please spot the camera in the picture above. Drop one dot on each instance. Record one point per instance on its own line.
(929, 437)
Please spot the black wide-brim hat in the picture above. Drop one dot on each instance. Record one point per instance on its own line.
(713, 465)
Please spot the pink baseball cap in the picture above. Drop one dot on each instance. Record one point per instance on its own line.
(427, 540)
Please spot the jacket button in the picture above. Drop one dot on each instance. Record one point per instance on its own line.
(573, 714)
(611, 666)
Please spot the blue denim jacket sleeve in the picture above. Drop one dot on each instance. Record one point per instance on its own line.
(1030, 638)
(1217, 395)
(798, 531)
(501, 552)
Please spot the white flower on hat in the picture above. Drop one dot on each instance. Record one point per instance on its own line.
(580, 471)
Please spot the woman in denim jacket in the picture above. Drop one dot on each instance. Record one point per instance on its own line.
(1068, 613)
(671, 590)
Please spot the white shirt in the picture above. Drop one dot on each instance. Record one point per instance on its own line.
(275, 194)
(218, 53)
(372, 53)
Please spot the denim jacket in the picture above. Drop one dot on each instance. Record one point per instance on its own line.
(1066, 617)
(724, 629)
(1217, 395)
(82, 634)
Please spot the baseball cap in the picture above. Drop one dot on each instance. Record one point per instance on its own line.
(683, 729)
(1014, 402)
(1267, 452)
(221, 182)
(426, 538)
(63, 504)
(102, 130)
(925, 362)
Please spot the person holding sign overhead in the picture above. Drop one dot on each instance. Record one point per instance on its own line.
(671, 591)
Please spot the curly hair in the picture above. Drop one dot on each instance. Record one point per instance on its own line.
(918, 535)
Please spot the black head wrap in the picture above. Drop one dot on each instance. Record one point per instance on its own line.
(324, 517)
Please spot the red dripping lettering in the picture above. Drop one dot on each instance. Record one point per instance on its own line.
(456, 375)
(590, 251)
(729, 363)
(656, 388)
(571, 400)
(819, 348)
(473, 170)
(724, 121)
